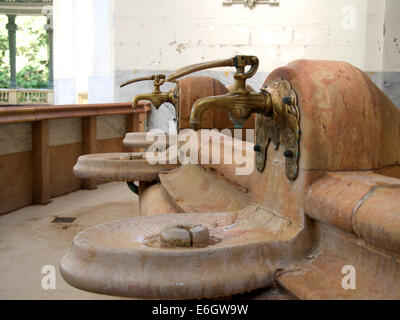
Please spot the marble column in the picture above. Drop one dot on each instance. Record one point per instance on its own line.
(64, 52)
(49, 30)
(12, 44)
(101, 79)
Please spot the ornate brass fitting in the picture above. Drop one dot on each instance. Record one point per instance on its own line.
(278, 116)
(240, 103)
(281, 126)
(156, 97)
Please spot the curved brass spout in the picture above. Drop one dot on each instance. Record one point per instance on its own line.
(156, 97)
(238, 106)
(200, 66)
(278, 118)
(240, 103)
(239, 62)
(137, 80)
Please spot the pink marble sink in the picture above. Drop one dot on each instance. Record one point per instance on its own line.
(115, 258)
(110, 166)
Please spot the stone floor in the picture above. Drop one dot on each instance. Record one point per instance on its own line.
(29, 240)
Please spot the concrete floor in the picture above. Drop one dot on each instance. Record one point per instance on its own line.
(29, 240)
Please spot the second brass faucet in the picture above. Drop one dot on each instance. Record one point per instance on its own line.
(240, 103)
(156, 97)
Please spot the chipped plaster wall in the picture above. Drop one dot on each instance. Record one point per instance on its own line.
(387, 74)
(162, 35)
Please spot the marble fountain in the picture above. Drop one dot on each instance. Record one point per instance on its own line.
(324, 193)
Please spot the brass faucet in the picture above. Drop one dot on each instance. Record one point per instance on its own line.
(156, 97)
(240, 103)
(278, 115)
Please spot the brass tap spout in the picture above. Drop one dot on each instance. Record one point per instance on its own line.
(238, 106)
(240, 103)
(276, 100)
(156, 97)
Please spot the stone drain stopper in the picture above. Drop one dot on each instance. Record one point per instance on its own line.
(185, 235)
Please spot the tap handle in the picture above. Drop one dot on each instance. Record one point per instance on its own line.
(158, 80)
(239, 62)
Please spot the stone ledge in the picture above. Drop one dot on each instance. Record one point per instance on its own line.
(37, 113)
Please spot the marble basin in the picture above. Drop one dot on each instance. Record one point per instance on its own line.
(110, 166)
(144, 140)
(118, 258)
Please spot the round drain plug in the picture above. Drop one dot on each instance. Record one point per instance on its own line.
(175, 237)
(185, 235)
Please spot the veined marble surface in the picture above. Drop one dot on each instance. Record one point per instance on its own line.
(15, 137)
(65, 131)
(109, 127)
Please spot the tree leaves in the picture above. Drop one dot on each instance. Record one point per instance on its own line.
(31, 50)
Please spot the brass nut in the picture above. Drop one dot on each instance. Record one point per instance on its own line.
(185, 235)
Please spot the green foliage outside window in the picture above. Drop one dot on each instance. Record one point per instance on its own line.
(4, 63)
(32, 58)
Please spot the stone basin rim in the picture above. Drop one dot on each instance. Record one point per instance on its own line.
(109, 166)
(142, 248)
(138, 140)
(90, 266)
